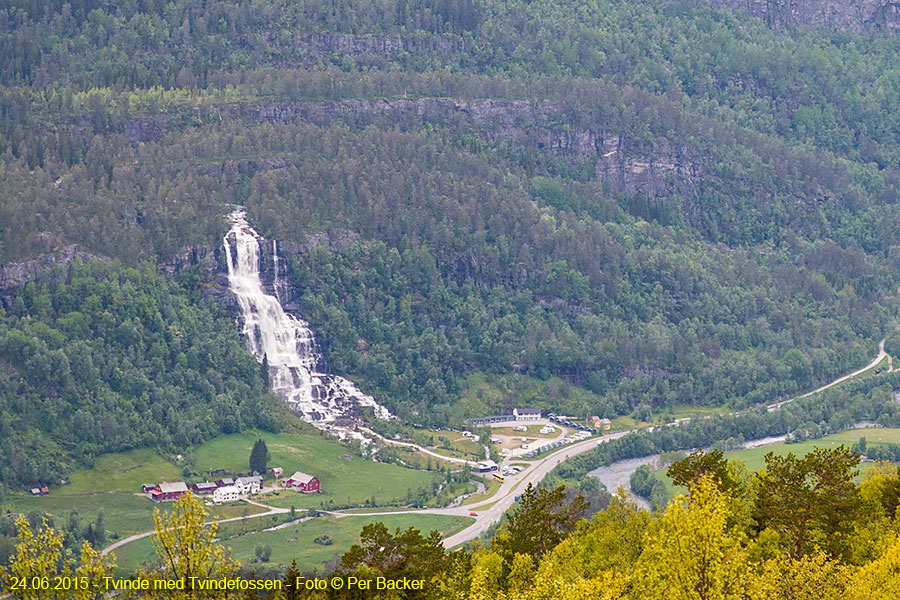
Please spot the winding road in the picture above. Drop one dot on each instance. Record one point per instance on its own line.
(871, 365)
(513, 485)
(139, 536)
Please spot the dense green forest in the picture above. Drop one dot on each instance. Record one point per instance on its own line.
(110, 358)
(658, 202)
(628, 205)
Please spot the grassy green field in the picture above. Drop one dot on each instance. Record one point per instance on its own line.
(309, 555)
(344, 481)
(458, 444)
(124, 472)
(133, 556)
(475, 454)
(386, 509)
(114, 480)
(231, 510)
(626, 422)
(242, 526)
(531, 431)
(344, 531)
(123, 512)
(416, 459)
(667, 414)
(490, 488)
(754, 458)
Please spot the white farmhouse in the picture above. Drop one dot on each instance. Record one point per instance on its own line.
(248, 485)
(228, 493)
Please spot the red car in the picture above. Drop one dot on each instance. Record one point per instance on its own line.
(473, 514)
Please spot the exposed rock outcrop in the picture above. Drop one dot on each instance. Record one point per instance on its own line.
(18, 273)
(665, 169)
(144, 130)
(668, 168)
(548, 125)
(210, 260)
(336, 240)
(853, 15)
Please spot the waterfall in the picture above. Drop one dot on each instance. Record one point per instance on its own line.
(275, 261)
(325, 400)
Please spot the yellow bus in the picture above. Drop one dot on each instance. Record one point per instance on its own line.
(498, 477)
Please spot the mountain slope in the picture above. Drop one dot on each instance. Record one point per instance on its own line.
(108, 358)
(659, 202)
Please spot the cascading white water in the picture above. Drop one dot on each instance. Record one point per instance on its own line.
(288, 344)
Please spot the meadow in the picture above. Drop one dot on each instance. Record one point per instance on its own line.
(343, 531)
(754, 458)
(112, 485)
(297, 541)
(345, 481)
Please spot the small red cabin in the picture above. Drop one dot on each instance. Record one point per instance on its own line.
(302, 482)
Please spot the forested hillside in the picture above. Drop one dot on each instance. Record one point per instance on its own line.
(115, 358)
(659, 202)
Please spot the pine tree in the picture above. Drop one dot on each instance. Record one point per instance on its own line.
(289, 580)
(259, 457)
(264, 369)
(99, 530)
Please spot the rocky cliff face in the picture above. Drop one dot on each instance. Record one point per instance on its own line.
(853, 15)
(210, 262)
(665, 169)
(668, 168)
(20, 272)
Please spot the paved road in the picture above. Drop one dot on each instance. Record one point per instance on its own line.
(871, 365)
(562, 434)
(513, 485)
(140, 536)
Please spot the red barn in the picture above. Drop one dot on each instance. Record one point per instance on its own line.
(302, 482)
(169, 491)
(207, 487)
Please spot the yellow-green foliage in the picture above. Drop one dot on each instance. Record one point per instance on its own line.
(40, 563)
(184, 542)
(701, 547)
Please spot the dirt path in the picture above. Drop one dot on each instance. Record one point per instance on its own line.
(419, 448)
